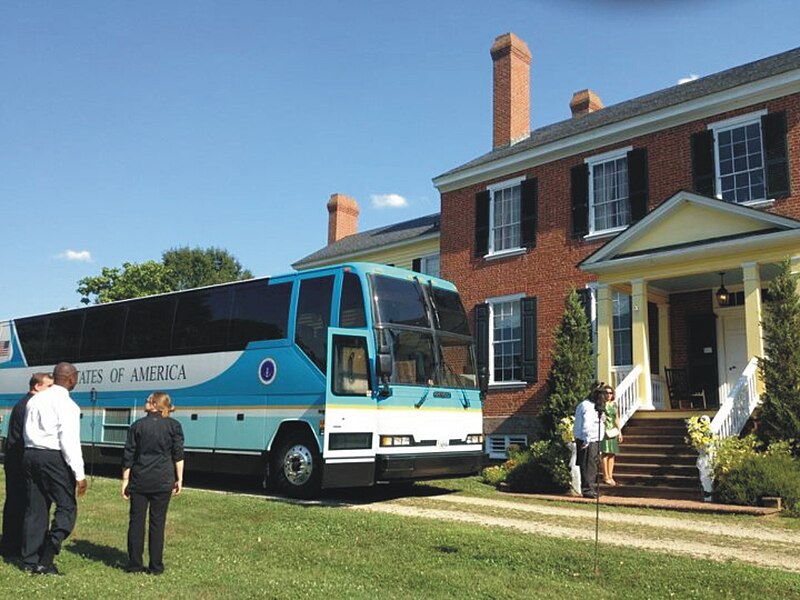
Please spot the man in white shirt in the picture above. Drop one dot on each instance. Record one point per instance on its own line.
(588, 431)
(54, 471)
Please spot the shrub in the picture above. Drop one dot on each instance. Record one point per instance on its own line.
(494, 475)
(698, 432)
(544, 467)
(744, 476)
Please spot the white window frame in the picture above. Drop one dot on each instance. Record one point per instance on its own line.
(591, 163)
(494, 441)
(753, 118)
(424, 263)
(491, 302)
(615, 296)
(493, 189)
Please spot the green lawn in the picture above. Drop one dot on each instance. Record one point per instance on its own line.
(224, 546)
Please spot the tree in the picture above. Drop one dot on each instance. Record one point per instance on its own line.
(780, 367)
(132, 281)
(179, 269)
(196, 267)
(572, 373)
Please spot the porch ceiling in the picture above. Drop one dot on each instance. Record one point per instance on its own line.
(710, 280)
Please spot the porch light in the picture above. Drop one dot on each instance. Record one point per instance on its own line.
(723, 297)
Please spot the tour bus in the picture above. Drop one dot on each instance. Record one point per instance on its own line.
(334, 377)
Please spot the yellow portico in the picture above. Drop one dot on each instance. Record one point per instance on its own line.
(672, 264)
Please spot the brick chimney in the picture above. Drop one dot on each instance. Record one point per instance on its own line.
(584, 102)
(342, 217)
(512, 89)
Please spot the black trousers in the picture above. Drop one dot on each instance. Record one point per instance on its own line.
(49, 480)
(587, 462)
(14, 507)
(158, 504)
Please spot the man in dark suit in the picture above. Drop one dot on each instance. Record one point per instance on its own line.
(14, 506)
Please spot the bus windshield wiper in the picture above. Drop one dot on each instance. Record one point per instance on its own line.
(464, 399)
(424, 397)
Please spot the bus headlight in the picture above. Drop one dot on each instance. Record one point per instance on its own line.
(395, 440)
(475, 438)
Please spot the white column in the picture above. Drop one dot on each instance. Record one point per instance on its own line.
(640, 350)
(752, 310)
(664, 348)
(605, 316)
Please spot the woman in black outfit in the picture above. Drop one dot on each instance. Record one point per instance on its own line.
(152, 471)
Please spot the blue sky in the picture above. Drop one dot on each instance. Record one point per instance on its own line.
(128, 128)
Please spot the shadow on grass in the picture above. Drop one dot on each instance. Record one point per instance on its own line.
(108, 555)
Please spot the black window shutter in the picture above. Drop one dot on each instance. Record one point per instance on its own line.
(585, 296)
(529, 199)
(416, 265)
(580, 200)
(530, 362)
(482, 200)
(773, 127)
(482, 336)
(703, 172)
(638, 183)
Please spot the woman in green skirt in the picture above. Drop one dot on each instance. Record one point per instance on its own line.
(612, 438)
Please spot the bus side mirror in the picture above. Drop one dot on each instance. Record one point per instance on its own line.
(483, 379)
(384, 364)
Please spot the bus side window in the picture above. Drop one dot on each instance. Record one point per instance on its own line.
(351, 310)
(63, 338)
(260, 312)
(102, 332)
(201, 320)
(350, 366)
(149, 327)
(314, 318)
(31, 334)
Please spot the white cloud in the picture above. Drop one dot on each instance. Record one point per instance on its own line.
(388, 201)
(683, 80)
(76, 255)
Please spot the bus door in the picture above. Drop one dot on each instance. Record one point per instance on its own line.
(351, 416)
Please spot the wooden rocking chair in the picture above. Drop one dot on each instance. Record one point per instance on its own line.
(680, 393)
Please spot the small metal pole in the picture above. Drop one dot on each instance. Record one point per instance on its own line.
(93, 398)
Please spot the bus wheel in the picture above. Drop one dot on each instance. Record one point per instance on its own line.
(297, 468)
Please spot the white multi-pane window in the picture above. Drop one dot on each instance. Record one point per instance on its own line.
(506, 340)
(498, 444)
(429, 265)
(505, 216)
(623, 339)
(609, 202)
(740, 159)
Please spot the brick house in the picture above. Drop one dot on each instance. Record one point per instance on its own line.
(649, 208)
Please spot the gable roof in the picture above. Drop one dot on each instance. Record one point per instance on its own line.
(643, 105)
(687, 224)
(374, 239)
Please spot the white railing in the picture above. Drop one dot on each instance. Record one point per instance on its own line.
(739, 405)
(730, 419)
(618, 373)
(627, 393)
(658, 385)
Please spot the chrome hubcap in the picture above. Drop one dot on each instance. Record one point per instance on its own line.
(298, 465)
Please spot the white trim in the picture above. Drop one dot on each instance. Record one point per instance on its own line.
(607, 156)
(507, 298)
(501, 185)
(490, 350)
(665, 118)
(507, 385)
(332, 260)
(505, 253)
(738, 121)
(604, 233)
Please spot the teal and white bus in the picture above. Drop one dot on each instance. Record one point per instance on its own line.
(334, 377)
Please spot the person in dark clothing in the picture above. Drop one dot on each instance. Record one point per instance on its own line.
(152, 471)
(14, 506)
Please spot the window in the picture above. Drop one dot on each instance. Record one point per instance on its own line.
(623, 332)
(506, 341)
(102, 332)
(351, 308)
(63, 337)
(743, 159)
(350, 366)
(609, 191)
(610, 206)
(399, 301)
(313, 319)
(740, 160)
(429, 265)
(505, 217)
(201, 320)
(149, 327)
(260, 312)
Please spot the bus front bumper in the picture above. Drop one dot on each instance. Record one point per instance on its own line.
(428, 466)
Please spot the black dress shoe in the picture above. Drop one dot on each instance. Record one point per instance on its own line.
(28, 568)
(155, 571)
(133, 569)
(45, 570)
(591, 495)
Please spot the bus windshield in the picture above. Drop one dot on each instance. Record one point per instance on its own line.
(423, 353)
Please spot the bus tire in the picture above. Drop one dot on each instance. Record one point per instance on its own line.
(297, 467)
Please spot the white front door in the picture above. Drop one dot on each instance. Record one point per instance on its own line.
(733, 358)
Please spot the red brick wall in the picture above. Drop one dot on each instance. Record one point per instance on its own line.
(681, 308)
(551, 269)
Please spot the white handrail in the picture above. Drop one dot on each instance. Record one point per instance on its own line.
(627, 394)
(734, 412)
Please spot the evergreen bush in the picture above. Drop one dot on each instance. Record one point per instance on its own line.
(544, 467)
(572, 372)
